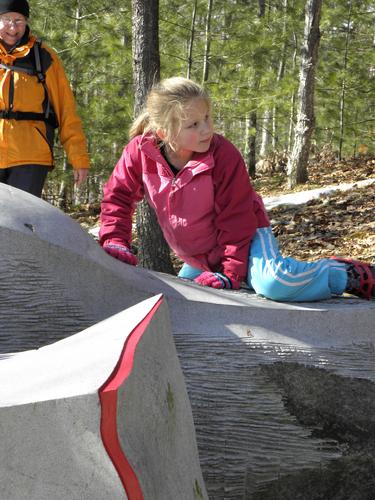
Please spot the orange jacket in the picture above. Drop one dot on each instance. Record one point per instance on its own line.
(31, 141)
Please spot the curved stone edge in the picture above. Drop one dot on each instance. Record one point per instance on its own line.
(108, 395)
(153, 402)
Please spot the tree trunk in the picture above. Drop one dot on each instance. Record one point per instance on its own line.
(153, 251)
(265, 133)
(280, 76)
(145, 46)
(343, 83)
(251, 125)
(292, 99)
(191, 41)
(251, 120)
(206, 58)
(297, 165)
(66, 193)
(261, 8)
(62, 197)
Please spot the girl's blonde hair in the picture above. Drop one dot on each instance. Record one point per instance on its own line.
(165, 105)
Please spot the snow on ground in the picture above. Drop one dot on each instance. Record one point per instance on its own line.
(304, 196)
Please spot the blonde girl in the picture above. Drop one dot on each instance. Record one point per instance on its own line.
(197, 183)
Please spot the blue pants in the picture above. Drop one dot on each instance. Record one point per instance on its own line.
(284, 278)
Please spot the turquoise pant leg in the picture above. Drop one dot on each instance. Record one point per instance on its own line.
(287, 279)
(189, 272)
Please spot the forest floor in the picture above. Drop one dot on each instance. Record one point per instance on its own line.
(340, 223)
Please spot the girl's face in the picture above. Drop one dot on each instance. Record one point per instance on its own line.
(196, 130)
(12, 28)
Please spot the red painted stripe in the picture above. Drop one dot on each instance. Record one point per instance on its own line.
(108, 401)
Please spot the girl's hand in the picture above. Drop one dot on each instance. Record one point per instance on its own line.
(120, 251)
(218, 280)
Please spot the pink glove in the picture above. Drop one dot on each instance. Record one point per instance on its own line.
(218, 280)
(119, 251)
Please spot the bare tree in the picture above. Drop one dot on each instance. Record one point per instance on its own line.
(297, 165)
(65, 185)
(251, 120)
(207, 47)
(266, 132)
(293, 97)
(280, 71)
(251, 127)
(153, 251)
(269, 127)
(343, 83)
(191, 41)
(261, 8)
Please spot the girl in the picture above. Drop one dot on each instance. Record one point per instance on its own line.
(197, 183)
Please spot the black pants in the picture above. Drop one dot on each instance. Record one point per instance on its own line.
(29, 178)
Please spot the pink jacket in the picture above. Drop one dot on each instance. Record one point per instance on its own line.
(208, 213)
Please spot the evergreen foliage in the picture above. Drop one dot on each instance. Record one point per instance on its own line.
(253, 68)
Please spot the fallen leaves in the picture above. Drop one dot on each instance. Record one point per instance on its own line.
(340, 223)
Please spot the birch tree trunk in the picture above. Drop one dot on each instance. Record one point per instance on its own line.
(266, 135)
(297, 165)
(280, 75)
(153, 251)
(206, 58)
(63, 195)
(191, 41)
(292, 99)
(343, 83)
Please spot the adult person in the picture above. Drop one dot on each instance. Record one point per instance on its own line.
(198, 185)
(35, 99)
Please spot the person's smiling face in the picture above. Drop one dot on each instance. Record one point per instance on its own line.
(196, 130)
(12, 28)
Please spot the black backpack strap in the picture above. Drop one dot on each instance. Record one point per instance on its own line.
(38, 62)
(40, 74)
(19, 69)
(8, 114)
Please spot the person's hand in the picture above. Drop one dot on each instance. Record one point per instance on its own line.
(218, 280)
(80, 175)
(120, 251)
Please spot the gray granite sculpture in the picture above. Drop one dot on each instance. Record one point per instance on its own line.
(281, 394)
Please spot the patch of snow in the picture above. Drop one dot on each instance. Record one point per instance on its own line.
(311, 194)
(94, 231)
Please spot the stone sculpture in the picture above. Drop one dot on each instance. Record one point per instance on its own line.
(259, 374)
